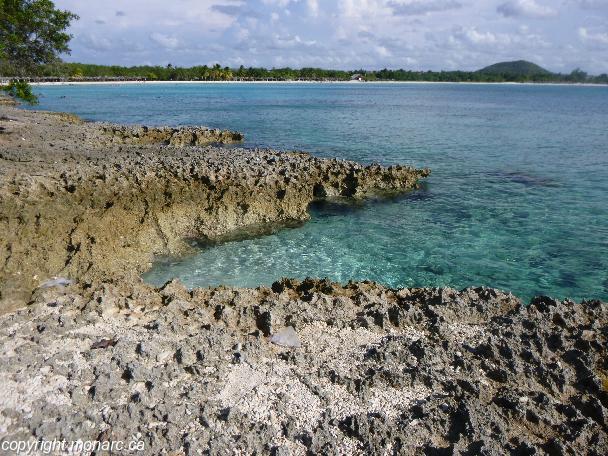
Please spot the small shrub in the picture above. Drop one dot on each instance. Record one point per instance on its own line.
(21, 90)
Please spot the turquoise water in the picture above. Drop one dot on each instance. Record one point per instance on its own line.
(518, 198)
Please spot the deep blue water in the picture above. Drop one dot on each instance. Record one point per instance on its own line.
(518, 198)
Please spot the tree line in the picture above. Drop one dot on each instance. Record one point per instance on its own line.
(80, 71)
(576, 76)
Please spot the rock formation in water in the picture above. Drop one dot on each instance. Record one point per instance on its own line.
(76, 202)
(179, 137)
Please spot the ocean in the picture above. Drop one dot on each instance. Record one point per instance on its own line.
(518, 198)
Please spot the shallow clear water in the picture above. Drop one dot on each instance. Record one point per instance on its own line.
(518, 198)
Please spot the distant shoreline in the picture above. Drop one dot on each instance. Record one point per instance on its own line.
(83, 83)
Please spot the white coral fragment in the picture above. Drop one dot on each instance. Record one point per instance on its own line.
(286, 337)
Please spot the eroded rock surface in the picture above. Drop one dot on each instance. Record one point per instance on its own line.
(76, 202)
(180, 137)
(7, 101)
(379, 371)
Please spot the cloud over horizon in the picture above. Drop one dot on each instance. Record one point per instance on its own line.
(343, 34)
(526, 8)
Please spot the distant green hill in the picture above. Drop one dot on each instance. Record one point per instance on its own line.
(517, 68)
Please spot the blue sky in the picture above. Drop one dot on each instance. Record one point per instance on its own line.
(344, 34)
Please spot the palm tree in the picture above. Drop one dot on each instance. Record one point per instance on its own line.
(227, 74)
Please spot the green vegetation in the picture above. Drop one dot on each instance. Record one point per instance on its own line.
(78, 71)
(21, 90)
(32, 33)
(518, 71)
(515, 69)
(504, 72)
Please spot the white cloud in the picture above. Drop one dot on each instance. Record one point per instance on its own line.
(525, 8)
(591, 4)
(417, 34)
(281, 3)
(165, 41)
(362, 8)
(422, 7)
(95, 43)
(475, 37)
(593, 38)
(290, 41)
(383, 52)
(313, 7)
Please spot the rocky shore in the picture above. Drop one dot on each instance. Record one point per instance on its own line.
(96, 202)
(377, 371)
(189, 136)
(302, 367)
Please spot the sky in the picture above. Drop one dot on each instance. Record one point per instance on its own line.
(560, 35)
